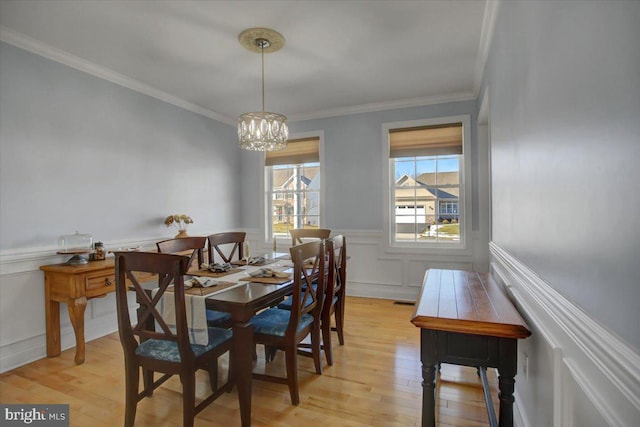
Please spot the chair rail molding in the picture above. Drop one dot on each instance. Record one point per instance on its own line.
(30, 259)
(591, 365)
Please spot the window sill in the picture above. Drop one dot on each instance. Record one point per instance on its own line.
(433, 249)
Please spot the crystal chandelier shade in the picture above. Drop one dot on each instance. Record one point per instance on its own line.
(262, 130)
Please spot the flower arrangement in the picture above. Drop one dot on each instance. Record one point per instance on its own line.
(181, 222)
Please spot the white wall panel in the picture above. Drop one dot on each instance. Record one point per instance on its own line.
(574, 362)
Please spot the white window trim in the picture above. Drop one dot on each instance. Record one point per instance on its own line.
(462, 248)
(265, 206)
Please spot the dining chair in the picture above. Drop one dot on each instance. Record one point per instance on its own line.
(183, 244)
(196, 245)
(340, 284)
(298, 234)
(333, 304)
(285, 329)
(167, 350)
(226, 246)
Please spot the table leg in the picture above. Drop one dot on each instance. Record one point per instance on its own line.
(52, 317)
(243, 368)
(508, 356)
(429, 358)
(76, 309)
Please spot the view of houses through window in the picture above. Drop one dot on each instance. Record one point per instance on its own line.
(293, 187)
(295, 197)
(425, 166)
(426, 195)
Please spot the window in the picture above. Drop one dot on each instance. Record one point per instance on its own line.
(426, 183)
(293, 187)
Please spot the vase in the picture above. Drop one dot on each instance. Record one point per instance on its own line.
(181, 234)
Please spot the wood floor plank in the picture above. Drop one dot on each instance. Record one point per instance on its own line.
(375, 381)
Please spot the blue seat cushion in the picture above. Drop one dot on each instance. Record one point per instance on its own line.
(215, 318)
(274, 321)
(287, 303)
(168, 350)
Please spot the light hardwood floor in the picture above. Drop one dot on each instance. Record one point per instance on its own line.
(374, 381)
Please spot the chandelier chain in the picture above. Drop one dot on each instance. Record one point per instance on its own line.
(262, 45)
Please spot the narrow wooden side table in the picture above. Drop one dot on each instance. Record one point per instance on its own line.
(466, 319)
(73, 285)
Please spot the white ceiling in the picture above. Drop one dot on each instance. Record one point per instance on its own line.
(339, 57)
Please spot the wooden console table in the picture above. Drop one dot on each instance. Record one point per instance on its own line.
(466, 319)
(74, 285)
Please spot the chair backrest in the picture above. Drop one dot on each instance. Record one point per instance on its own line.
(170, 270)
(340, 264)
(194, 244)
(308, 233)
(226, 245)
(335, 281)
(309, 281)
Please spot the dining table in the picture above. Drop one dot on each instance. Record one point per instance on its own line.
(242, 297)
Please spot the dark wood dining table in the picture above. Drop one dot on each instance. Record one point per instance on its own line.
(243, 302)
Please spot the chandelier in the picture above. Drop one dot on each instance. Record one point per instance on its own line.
(262, 130)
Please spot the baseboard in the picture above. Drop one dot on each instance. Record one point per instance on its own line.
(34, 348)
(381, 291)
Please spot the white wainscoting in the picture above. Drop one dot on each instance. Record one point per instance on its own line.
(22, 314)
(595, 377)
(371, 272)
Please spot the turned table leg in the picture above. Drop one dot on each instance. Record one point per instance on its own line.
(506, 380)
(428, 356)
(76, 315)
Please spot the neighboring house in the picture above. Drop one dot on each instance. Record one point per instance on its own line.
(296, 196)
(421, 203)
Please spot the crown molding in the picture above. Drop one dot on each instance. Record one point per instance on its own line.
(39, 48)
(383, 106)
(486, 36)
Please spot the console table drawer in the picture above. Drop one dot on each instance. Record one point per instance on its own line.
(99, 285)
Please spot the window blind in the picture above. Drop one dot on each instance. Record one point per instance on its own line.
(306, 150)
(426, 140)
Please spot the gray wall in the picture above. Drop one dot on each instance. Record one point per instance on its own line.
(81, 153)
(563, 82)
(353, 176)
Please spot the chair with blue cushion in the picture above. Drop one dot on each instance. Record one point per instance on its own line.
(195, 247)
(165, 349)
(333, 304)
(285, 329)
(335, 295)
